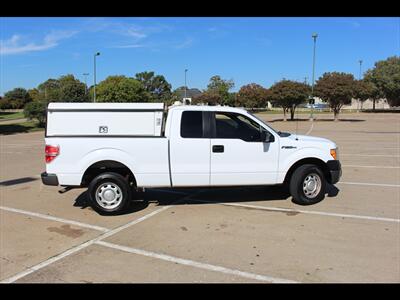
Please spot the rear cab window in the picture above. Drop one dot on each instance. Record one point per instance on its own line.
(192, 124)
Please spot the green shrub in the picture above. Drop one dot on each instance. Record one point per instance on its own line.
(36, 110)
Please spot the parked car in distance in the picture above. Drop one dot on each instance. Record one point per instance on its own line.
(317, 106)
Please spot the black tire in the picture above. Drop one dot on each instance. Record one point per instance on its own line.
(297, 181)
(119, 186)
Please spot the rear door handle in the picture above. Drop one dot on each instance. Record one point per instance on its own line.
(218, 148)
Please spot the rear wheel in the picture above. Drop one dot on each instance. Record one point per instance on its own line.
(307, 185)
(109, 193)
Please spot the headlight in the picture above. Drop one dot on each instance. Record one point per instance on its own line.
(335, 153)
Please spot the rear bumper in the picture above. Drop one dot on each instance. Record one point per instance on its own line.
(335, 170)
(49, 179)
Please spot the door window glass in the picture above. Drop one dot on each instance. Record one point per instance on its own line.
(236, 126)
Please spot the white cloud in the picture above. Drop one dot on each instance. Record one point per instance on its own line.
(129, 46)
(116, 27)
(185, 44)
(17, 44)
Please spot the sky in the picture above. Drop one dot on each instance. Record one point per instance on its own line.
(246, 50)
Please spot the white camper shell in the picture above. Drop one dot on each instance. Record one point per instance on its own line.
(99, 119)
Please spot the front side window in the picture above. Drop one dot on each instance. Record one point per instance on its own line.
(192, 124)
(236, 126)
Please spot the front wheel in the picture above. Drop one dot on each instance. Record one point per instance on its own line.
(109, 193)
(307, 185)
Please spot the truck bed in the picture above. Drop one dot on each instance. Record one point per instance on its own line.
(147, 157)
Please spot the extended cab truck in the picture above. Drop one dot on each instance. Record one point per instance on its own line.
(116, 148)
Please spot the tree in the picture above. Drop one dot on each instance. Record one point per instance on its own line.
(72, 90)
(5, 103)
(121, 89)
(365, 90)
(49, 90)
(64, 89)
(252, 95)
(34, 94)
(220, 87)
(36, 110)
(17, 98)
(156, 86)
(208, 97)
(386, 77)
(288, 95)
(337, 89)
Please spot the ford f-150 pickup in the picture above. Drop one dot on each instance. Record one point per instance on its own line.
(115, 149)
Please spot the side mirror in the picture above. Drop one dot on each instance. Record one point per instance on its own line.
(266, 137)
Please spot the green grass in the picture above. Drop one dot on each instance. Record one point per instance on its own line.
(23, 127)
(5, 116)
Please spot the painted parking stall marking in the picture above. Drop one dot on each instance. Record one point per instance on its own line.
(52, 218)
(196, 264)
(321, 213)
(80, 247)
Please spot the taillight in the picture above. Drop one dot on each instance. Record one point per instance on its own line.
(51, 152)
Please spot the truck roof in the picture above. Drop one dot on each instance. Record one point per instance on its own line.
(208, 108)
(104, 106)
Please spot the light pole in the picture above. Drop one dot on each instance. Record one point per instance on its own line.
(359, 78)
(85, 75)
(314, 36)
(185, 83)
(94, 74)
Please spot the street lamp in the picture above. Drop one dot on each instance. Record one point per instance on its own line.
(94, 74)
(185, 83)
(314, 36)
(85, 75)
(359, 78)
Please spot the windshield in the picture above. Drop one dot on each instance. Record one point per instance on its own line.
(281, 134)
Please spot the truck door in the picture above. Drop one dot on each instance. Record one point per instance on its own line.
(190, 148)
(238, 155)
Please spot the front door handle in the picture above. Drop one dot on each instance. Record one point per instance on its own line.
(218, 148)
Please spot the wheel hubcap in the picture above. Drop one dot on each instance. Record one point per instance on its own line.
(312, 185)
(108, 195)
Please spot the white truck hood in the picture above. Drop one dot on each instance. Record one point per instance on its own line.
(308, 141)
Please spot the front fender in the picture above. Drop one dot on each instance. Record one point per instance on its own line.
(289, 159)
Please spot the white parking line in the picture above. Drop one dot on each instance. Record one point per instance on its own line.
(79, 247)
(304, 211)
(374, 167)
(195, 264)
(371, 155)
(48, 217)
(311, 128)
(370, 184)
(371, 148)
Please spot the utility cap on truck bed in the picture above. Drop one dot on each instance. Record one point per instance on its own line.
(104, 119)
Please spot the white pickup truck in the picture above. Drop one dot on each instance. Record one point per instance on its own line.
(115, 149)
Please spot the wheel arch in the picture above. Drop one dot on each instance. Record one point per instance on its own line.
(108, 165)
(309, 160)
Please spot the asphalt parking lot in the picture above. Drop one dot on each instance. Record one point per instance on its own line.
(252, 234)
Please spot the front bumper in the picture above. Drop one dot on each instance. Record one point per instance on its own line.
(49, 179)
(335, 170)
